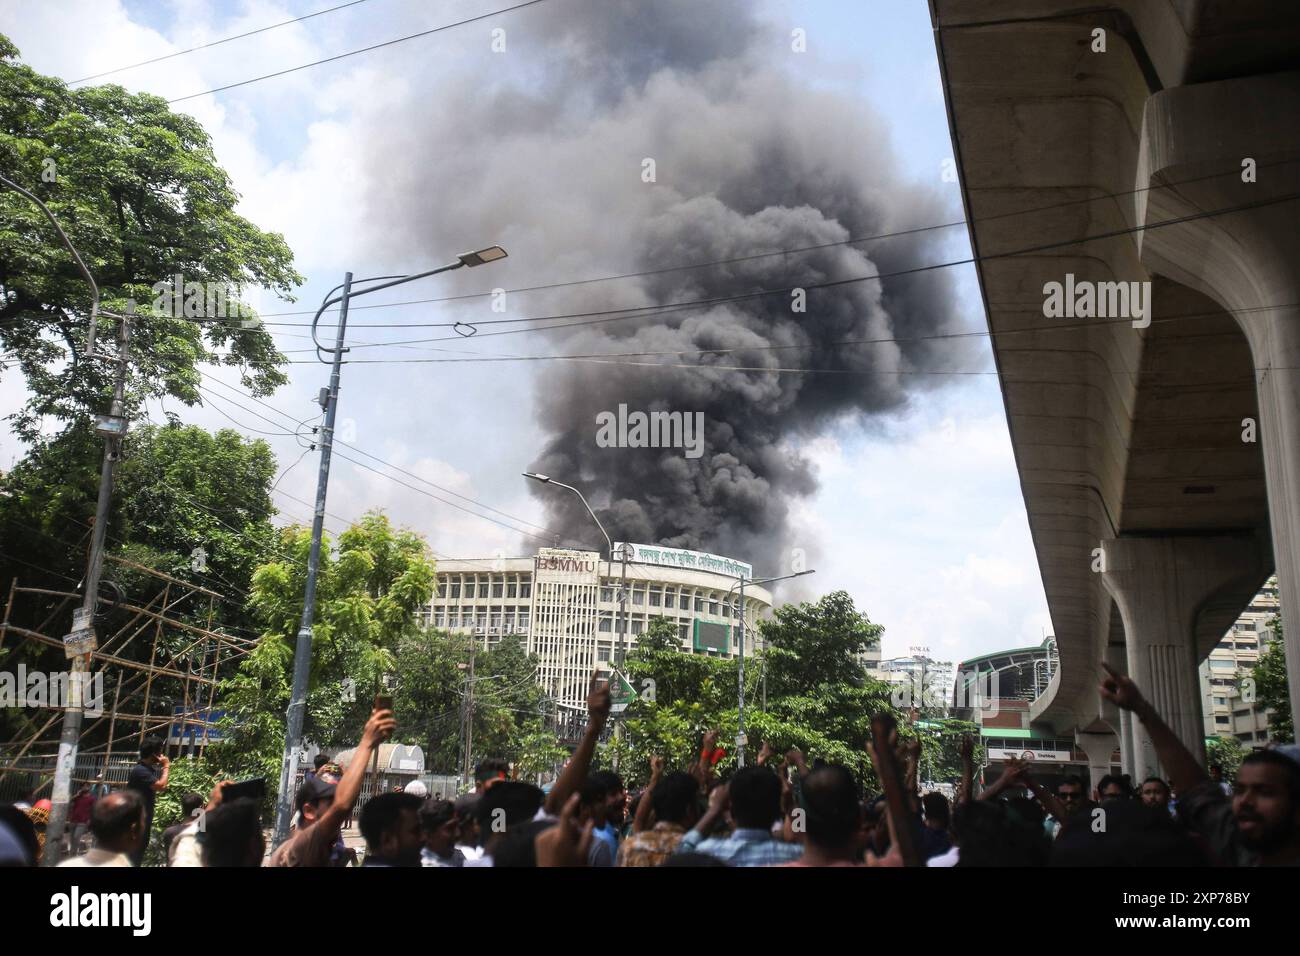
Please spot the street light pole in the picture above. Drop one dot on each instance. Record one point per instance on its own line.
(741, 741)
(80, 643)
(302, 651)
(70, 734)
(622, 604)
(622, 590)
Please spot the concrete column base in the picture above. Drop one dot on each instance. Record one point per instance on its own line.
(1099, 748)
(1160, 585)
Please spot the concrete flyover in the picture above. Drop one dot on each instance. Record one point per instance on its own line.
(1156, 427)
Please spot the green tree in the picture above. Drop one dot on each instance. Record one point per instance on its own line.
(368, 592)
(139, 192)
(179, 488)
(941, 748)
(820, 697)
(509, 707)
(1227, 752)
(1272, 690)
(818, 683)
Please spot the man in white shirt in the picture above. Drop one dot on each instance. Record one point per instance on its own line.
(118, 825)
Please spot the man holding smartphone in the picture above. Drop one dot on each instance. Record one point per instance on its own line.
(324, 806)
(147, 778)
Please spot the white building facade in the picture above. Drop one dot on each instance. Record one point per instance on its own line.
(565, 604)
(1229, 707)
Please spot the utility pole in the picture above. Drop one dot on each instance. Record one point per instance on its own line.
(622, 609)
(79, 645)
(469, 714)
(82, 645)
(740, 693)
(302, 652)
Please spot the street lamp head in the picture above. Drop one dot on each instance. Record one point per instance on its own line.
(544, 479)
(490, 254)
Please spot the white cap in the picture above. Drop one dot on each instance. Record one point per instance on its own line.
(417, 788)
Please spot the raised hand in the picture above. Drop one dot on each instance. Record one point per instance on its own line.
(967, 747)
(1120, 690)
(599, 701)
(379, 728)
(567, 843)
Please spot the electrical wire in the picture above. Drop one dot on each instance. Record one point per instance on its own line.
(205, 46)
(368, 49)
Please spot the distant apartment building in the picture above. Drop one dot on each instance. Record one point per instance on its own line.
(1228, 711)
(928, 681)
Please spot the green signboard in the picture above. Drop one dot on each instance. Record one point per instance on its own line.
(712, 637)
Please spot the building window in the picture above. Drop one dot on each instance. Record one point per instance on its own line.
(684, 603)
(655, 597)
(638, 597)
(525, 589)
(636, 627)
(1223, 720)
(455, 589)
(683, 632)
(606, 625)
(498, 589)
(699, 604)
(713, 608)
(607, 595)
(440, 619)
(512, 588)
(469, 589)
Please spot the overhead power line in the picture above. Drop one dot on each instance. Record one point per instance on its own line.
(367, 49)
(548, 533)
(603, 316)
(204, 46)
(690, 266)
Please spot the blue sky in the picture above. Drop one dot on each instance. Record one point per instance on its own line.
(918, 514)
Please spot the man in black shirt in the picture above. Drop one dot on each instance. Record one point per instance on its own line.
(147, 778)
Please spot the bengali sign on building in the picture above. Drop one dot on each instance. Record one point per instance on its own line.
(687, 560)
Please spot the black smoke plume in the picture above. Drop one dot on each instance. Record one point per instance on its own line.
(750, 157)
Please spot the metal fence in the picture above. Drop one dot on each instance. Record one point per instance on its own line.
(19, 775)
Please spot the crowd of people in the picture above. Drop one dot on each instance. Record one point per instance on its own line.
(779, 812)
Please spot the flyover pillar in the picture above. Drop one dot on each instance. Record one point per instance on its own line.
(1099, 748)
(1160, 584)
(1239, 140)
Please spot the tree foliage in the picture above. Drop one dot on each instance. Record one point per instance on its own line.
(819, 694)
(368, 591)
(138, 191)
(1272, 690)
